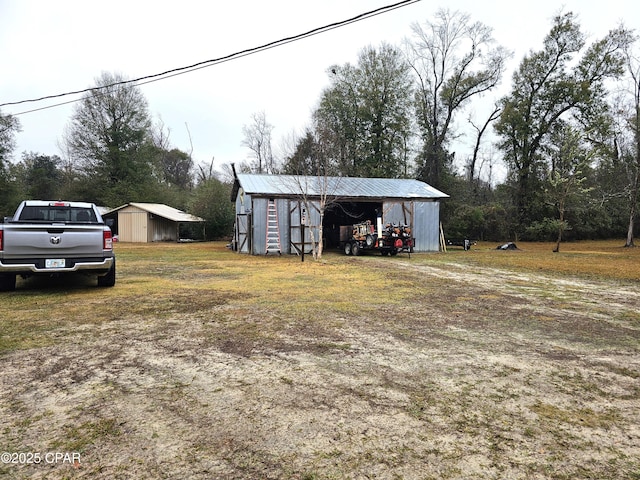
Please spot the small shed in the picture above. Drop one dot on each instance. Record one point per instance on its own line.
(149, 222)
(265, 204)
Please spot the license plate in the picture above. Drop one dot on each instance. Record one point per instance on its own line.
(54, 263)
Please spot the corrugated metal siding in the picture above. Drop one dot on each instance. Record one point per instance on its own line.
(243, 232)
(259, 227)
(243, 202)
(396, 212)
(426, 226)
(259, 208)
(162, 230)
(282, 204)
(311, 227)
(424, 216)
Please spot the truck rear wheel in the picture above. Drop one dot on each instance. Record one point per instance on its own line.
(347, 248)
(7, 282)
(355, 248)
(108, 280)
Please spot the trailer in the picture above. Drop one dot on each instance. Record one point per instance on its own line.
(389, 239)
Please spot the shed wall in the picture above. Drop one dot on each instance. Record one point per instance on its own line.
(132, 225)
(426, 226)
(424, 216)
(259, 206)
(162, 230)
(139, 226)
(311, 226)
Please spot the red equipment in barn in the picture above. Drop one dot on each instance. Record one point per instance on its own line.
(388, 240)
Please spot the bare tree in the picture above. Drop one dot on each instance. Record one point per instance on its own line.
(447, 81)
(257, 138)
(205, 172)
(173, 166)
(480, 131)
(633, 126)
(315, 188)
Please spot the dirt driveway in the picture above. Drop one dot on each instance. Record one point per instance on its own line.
(437, 371)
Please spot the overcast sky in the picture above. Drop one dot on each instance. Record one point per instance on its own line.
(54, 46)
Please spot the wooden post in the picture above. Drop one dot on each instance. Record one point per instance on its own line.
(442, 241)
(303, 220)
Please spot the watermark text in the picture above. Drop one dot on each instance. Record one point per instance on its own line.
(35, 458)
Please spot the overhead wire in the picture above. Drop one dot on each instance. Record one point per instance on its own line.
(208, 63)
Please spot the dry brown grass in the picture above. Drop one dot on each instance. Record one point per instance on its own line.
(596, 259)
(202, 363)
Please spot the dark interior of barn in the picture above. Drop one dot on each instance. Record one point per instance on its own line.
(347, 213)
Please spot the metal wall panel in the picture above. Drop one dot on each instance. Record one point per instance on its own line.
(397, 212)
(426, 226)
(259, 227)
(259, 207)
(162, 230)
(422, 216)
(311, 226)
(282, 205)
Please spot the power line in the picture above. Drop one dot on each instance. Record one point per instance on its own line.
(216, 61)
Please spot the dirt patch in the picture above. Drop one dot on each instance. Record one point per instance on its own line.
(447, 372)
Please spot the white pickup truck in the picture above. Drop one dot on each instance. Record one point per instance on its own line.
(54, 238)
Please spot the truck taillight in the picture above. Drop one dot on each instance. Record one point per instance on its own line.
(0, 240)
(108, 240)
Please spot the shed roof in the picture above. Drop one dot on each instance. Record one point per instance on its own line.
(344, 187)
(161, 210)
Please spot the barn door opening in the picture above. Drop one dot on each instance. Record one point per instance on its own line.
(347, 213)
(243, 233)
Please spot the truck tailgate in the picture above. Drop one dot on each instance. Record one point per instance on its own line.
(52, 241)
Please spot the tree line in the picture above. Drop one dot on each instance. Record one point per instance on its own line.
(567, 136)
(115, 154)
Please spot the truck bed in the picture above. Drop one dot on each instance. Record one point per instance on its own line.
(53, 238)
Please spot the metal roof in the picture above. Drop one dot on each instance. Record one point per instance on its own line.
(344, 187)
(164, 211)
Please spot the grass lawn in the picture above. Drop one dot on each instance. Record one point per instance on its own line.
(202, 363)
(602, 259)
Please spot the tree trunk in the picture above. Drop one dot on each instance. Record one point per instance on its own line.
(560, 229)
(632, 221)
(557, 248)
(633, 205)
(320, 245)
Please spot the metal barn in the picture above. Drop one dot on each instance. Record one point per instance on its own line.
(270, 209)
(149, 222)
